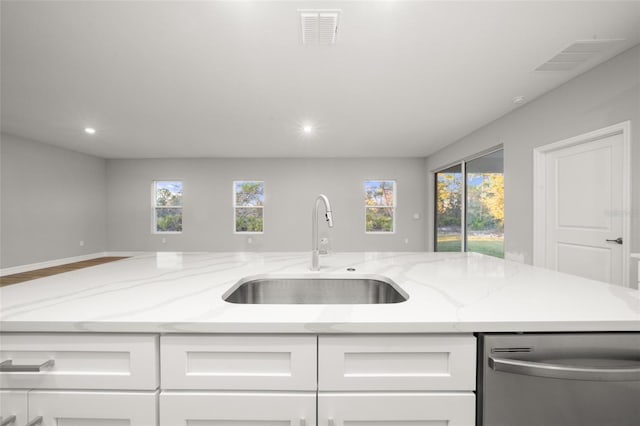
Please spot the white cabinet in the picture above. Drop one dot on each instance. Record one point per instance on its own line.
(13, 407)
(61, 408)
(244, 380)
(396, 409)
(69, 408)
(79, 361)
(396, 380)
(79, 379)
(238, 408)
(230, 362)
(396, 362)
(360, 380)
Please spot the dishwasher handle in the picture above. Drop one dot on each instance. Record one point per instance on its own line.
(568, 372)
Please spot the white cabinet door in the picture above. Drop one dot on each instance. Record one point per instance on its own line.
(237, 408)
(396, 409)
(60, 408)
(397, 362)
(13, 407)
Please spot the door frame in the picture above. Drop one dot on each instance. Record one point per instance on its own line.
(539, 190)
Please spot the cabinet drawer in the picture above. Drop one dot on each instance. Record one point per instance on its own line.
(396, 409)
(397, 362)
(80, 361)
(236, 362)
(238, 408)
(63, 408)
(13, 405)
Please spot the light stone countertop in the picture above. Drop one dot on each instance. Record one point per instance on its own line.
(448, 293)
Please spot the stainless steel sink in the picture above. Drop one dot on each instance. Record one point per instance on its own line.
(370, 289)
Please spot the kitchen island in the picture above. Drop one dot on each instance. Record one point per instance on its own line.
(448, 292)
(150, 341)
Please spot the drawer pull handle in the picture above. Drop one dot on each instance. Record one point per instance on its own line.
(6, 422)
(36, 421)
(8, 367)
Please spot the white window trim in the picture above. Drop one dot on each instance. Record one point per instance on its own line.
(394, 207)
(154, 207)
(235, 206)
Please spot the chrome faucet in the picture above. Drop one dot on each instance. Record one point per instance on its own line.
(315, 251)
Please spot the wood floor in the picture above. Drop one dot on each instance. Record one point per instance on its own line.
(54, 270)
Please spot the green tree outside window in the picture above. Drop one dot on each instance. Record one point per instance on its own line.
(249, 206)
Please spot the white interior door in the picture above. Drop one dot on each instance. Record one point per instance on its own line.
(584, 204)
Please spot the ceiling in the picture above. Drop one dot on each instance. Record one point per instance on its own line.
(233, 79)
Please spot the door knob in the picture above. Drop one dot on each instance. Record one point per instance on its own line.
(617, 240)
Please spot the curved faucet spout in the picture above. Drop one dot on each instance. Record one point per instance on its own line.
(315, 251)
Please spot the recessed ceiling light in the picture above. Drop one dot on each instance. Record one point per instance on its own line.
(90, 130)
(307, 129)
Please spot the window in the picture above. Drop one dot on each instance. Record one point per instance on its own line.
(380, 205)
(167, 206)
(469, 206)
(248, 203)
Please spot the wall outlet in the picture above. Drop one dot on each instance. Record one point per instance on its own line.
(81, 243)
(164, 240)
(406, 241)
(324, 245)
(249, 240)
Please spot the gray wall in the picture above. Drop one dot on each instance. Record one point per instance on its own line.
(291, 186)
(605, 95)
(51, 199)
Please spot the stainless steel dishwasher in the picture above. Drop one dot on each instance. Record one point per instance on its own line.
(559, 379)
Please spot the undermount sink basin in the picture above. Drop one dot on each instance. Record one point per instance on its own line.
(370, 289)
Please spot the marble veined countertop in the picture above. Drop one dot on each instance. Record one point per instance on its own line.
(448, 293)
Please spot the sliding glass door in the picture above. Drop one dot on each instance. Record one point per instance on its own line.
(485, 204)
(449, 192)
(469, 206)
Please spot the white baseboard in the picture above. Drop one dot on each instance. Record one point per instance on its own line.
(125, 253)
(49, 263)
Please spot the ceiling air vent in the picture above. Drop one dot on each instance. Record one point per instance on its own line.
(319, 27)
(578, 53)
